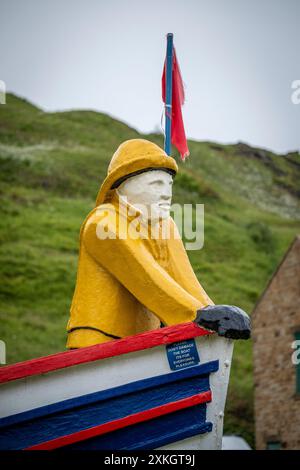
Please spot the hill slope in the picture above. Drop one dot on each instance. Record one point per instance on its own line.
(51, 166)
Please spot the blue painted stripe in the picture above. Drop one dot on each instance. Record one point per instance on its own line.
(151, 434)
(136, 386)
(33, 432)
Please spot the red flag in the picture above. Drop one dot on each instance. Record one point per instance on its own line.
(178, 137)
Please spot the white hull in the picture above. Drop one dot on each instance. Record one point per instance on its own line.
(25, 399)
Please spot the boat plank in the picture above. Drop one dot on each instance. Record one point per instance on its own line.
(147, 340)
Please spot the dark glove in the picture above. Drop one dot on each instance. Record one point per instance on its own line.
(226, 320)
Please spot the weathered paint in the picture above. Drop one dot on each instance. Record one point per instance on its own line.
(185, 379)
(111, 376)
(147, 340)
(144, 431)
(98, 418)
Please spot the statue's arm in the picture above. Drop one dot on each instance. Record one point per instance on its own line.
(135, 268)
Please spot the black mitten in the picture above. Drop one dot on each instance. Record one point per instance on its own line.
(226, 320)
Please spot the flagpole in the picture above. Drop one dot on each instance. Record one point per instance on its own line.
(168, 104)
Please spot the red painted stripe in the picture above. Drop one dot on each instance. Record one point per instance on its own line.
(146, 340)
(105, 428)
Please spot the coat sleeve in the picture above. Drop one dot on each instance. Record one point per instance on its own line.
(134, 267)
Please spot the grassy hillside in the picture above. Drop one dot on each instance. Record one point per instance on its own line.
(51, 166)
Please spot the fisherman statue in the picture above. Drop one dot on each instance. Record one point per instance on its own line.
(128, 280)
(148, 387)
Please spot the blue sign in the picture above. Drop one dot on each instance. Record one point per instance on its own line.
(183, 354)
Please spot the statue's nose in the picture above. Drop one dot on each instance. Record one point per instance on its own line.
(166, 193)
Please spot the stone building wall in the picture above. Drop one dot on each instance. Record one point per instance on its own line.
(276, 318)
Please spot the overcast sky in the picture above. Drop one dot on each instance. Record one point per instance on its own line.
(238, 60)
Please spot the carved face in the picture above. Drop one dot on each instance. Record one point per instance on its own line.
(150, 192)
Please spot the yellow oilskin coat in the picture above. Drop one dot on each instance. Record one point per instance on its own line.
(129, 284)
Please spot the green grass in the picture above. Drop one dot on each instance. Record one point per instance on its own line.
(51, 166)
